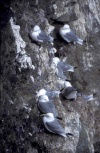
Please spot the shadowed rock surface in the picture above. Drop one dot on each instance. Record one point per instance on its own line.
(25, 69)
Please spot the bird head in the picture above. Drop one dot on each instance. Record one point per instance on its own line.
(66, 26)
(43, 98)
(50, 115)
(36, 28)
(67, 84)
(41, 92)
(56, 60)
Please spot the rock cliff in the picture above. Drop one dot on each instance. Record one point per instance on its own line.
(25, 69)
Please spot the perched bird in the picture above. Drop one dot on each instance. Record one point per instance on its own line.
(41, 92)
(47, 106)
(40, 36)
(50, 94)
(53, 126)
(61, 84)
(61, 67)
(68, 35)
(69, 93)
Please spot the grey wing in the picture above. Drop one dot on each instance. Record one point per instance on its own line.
(52, 94)
(70, 37)
(67, 91)
(64, 66)
(72, 95)
(53, 109)
(55, 127)
(48, 108)
(43, 107)
(67, 67)
(61, 74)
(43, 36)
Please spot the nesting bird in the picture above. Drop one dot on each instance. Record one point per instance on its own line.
(47, 106)
(68, 35)
(69, 93)
(53, 126)
(40, 36)
(61, 84)
(60, 67)
(50, 94)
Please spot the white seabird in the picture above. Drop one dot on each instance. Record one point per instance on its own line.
(40, 36)
(47, 106)
(53, 126)
(68, 35)
(69, 93)
(61, 84)
(41, 92)
(61, 67)
(50, 94)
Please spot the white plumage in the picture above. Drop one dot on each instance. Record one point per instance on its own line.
(40, 36)
(53, 126)
(68, 35)
(61, 67)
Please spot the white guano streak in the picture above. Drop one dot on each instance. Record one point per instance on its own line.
(87, 60)
(22, 58)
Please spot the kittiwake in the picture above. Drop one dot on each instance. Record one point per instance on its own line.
(68, 35)
(40, 36)
(47, 106)
(61, 84)
(53, 126)
(61, 67)
(50, 93)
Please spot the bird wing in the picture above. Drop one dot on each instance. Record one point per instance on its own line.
(68, 91)
(70, 37)
(65, 67)
(54, 127)
(43, 36)
(72, 95)
(52, 94)
(60, 73)
(48, 108)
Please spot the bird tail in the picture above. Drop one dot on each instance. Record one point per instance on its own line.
(59, 118)
(63, 135)
(80, 41)
(69, 134)
(75, 67)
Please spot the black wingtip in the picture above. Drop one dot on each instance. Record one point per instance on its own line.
(75, 67)
(68, 80)
(59, 118)
(69, 134)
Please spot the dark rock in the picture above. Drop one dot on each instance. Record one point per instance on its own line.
(22, 130)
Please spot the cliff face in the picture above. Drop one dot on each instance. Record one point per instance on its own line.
(25, 69)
